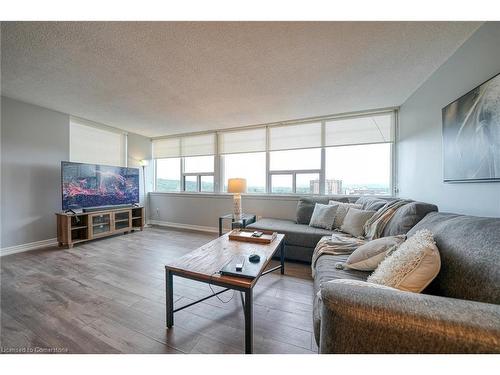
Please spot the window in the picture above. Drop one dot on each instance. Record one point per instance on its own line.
(243, 155)
(307, 183)
(295, 171)
(358, 170)
(185, 163)
(334, 155)
(191, 184)
(95, 144)
(295, 159)
(199, 164)
(251, 166)
(199, 174)
(282, 183)
(359, 160)
(168, 174)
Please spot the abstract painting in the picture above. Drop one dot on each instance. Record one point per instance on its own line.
(471, 135)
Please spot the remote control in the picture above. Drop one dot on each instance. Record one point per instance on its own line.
(239, 264)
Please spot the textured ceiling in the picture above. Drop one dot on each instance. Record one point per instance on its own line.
(158, 78)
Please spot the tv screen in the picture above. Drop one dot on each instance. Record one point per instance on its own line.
(91, 185)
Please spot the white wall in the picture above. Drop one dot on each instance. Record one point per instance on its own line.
(420, 160)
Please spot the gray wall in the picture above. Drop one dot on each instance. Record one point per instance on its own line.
(204, 210)
(34, 141)
(139, 148)
(420, 161)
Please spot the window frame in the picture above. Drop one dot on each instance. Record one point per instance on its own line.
(218, 171)
(198, 176)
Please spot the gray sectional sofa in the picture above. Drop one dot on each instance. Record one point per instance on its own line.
(301, 239)
(458, 313)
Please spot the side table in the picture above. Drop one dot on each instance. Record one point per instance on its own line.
(245, 220)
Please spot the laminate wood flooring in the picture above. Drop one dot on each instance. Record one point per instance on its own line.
(108, 296)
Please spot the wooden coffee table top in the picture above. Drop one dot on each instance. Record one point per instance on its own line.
(205, 262)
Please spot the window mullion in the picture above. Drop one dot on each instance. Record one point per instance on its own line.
(268, 163)
(183, 182)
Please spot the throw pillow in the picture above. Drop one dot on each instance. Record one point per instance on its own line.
(342, 209)
(305, 208)
(367, 257)
(412, 266)
(323, 216)
(354, 221)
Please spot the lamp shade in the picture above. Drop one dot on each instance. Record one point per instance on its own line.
(237, 185)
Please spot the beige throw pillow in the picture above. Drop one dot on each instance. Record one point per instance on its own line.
(412, 266)
(367, 257)
(342, 209)
(354, 221)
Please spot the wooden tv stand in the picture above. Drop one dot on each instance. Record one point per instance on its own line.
(86, 226)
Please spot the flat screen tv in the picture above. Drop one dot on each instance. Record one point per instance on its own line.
(92, 185)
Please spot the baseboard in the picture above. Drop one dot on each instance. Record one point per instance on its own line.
(199, 228)
(28, 246)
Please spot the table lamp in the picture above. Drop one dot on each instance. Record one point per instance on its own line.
(237, 186)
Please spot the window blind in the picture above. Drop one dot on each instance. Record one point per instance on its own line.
(93, 145)
(166, 148)
(289, 137)
(193, 145)
(198, 145)
(359, 130)
(240, 141)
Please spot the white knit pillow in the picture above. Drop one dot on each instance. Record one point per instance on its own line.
(412, 266)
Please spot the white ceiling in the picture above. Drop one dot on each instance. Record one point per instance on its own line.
(159, 78)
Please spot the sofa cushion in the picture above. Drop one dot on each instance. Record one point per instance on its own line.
(406, 217)
(372, 204)
(295, 234)
(323, 216)
(412, 266)
(354, 221)
(367, 257)
(305, 207)
(326, 270)
(342, 209)
(469, 247)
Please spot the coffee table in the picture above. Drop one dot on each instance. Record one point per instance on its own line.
(204, 264)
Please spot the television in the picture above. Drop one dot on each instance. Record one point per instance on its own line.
(92, 185)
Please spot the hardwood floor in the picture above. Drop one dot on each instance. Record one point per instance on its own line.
(108, 296)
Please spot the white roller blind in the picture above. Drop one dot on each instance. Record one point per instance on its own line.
(238, 141)
(193, 145)
(166, 148)
(359, 130)
(289, 137)
(90, 144)
(198, 145)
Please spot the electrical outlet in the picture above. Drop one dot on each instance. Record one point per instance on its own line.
(157, 212)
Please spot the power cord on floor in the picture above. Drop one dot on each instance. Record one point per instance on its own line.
(214, 293)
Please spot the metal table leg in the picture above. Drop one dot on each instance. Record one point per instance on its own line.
(169, 294)
(248, 322)
(282, 257)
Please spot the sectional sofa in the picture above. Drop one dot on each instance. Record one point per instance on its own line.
(458, 313)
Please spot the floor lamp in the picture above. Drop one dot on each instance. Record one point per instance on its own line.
(144, 164)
